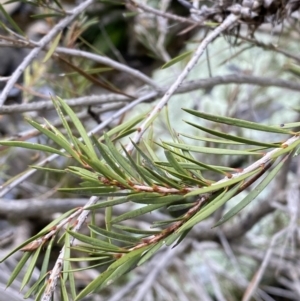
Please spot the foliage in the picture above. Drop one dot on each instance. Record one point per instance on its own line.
(108, 170)
(190, 181)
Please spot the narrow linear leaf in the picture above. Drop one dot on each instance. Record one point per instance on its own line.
(124, 126)
(107, 158)
(147, 160)
(233, 138)
(251, 196)
(210, 139)
(174, 163)
(136, 231)
(177, 59)
(153, 250)
(172, 238)
(34, 146)
(137, 212)
(64, 293)
(197, 167)
(167, 199)
(89, 190)
(79, 127)
(139, 169)
(238, 122)
(121, 160)
(31, 267)
(108, 203)
(181, 238)
(164, 181)
(210, 208)
(290, 125)
(11, 21)
(65, 123)
(114, 235)
(36, 287)
(180, 207)
(67, 255)
(46, 259)
(203, 165)
(48, 169)
(106, 171)
(18, 268)
(52, 47)
(217, 186)
(211, 150)
(100, 281)
(184, 178)
(61, 142)
(93, 241)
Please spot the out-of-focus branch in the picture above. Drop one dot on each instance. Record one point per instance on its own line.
(238, 79)
(40, 45)
(36, 208)
(184, 88)
(109, 62)
(74, 102)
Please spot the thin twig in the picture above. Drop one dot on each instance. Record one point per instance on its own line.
(40, 45)
(188, 86)
(54, 275)
(109, 62)
(229, 21)
(74, 102)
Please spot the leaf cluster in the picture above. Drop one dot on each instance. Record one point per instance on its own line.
(180, 184)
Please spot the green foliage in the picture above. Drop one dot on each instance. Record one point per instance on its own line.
(107, 169)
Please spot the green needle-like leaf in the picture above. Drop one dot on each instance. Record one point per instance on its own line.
(139, 169)
(233, 138)
(238, 122)
(177, 59)
(137, 212)
(148, 162)
(57, 139)
(31, 266)
(94, 242)
(79, 126)
(210, 208)
(104, 153)
(163, 181)
(174, 163)
(211, 150)
(114, 235)
(34, 146)
(64, 293)
(204, 166)
(121, 160)
(124, 126)
(251, 196)
(150, 252)
(136, 231)
(218, 141)
(224, 184)
(129, 259)
(108, 203)
(18, 268)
